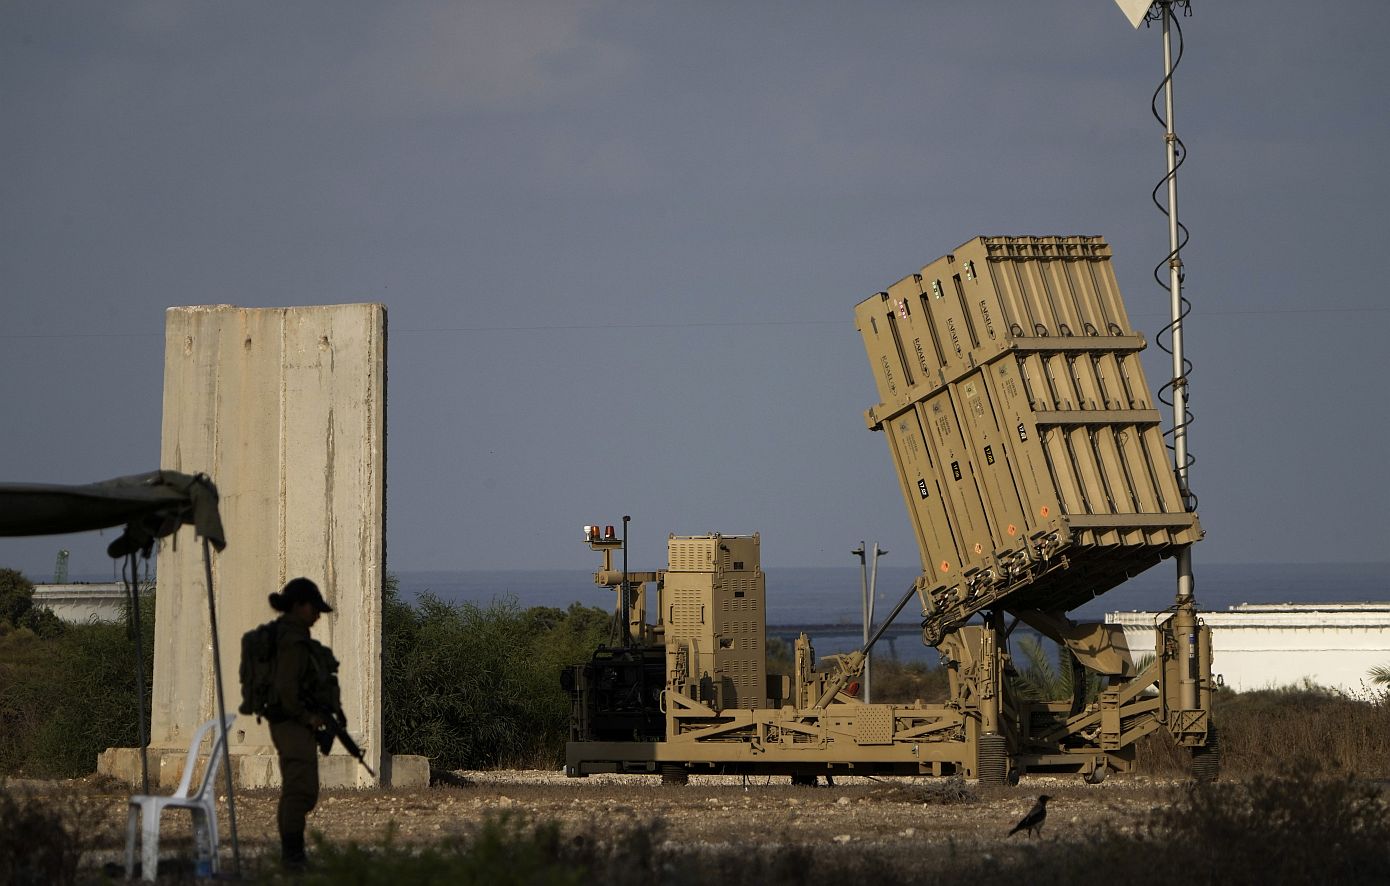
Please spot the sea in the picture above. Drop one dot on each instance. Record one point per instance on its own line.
(827, 602)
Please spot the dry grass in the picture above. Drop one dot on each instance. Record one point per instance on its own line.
(1326, 829)
(41, 837)
(1286, 731)
(1280, 730)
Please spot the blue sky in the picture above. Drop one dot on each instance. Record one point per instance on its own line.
(620, 244)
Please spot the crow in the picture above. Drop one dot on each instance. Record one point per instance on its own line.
(1033, 821)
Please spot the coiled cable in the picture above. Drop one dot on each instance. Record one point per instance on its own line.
(1165, 335)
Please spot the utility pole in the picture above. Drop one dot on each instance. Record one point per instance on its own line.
(868, 582)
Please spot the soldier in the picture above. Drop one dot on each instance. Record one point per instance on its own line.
(300, 684)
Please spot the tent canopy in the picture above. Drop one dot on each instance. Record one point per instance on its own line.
(150, 506)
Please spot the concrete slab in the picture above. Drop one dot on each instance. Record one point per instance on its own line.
(285, 408)
(259, 770)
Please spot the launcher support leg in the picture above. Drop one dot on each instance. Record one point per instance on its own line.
(991, 675)
(1190, 676)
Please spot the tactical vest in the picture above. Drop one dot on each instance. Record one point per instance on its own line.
(318, 685)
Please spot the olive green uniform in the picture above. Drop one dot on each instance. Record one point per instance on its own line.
(292, 731)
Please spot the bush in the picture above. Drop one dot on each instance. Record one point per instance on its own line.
(472, 687)
(1274, 731)
(16, 596)
(907, 682)
(66, 697)
(42, 622)
(1280, 730)
(467, 686)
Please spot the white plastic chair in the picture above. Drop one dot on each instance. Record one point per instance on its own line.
(145, 809)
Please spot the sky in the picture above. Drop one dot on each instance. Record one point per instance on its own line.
(620, 245)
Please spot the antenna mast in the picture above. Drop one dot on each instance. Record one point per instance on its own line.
(1140, 11)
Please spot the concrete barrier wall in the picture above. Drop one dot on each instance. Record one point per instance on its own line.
(285, 408)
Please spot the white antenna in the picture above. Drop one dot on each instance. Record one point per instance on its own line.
(1135, 10)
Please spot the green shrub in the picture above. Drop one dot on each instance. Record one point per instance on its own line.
(42, 622)
(16, 596)
(467, 686)
(474, 687)
(66, 697)
(908, 682)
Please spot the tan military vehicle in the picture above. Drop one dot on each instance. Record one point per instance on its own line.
(1035, 474)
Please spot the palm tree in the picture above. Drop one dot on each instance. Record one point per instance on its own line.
(1040, 680)
(1380, 675)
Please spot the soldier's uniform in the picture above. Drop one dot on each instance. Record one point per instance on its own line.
(293, 732)
(298, 696)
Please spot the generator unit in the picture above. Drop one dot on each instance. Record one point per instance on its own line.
(714, 597)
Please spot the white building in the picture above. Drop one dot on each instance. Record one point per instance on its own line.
(82, 603)
(1268, 645)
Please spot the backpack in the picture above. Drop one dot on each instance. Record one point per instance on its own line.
(258, 648)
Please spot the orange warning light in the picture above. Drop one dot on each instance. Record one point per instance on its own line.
(1044, 510)
(945, 567)
(1013, 530)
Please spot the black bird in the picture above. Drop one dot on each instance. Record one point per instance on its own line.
(1033, 821)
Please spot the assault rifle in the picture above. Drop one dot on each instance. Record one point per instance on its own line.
(335, 727)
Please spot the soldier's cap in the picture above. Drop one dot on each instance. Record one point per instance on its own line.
(302, 590)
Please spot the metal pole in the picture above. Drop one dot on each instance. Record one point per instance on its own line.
(136, 630)
(873, 593)
(624, 602)
(889, 620)
(221, 712)
(1174, 262)
(1185, 622)
(865, 611)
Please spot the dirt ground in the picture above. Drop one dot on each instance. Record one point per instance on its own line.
(882, 815)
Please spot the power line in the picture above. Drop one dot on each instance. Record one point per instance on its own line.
(693, 324)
